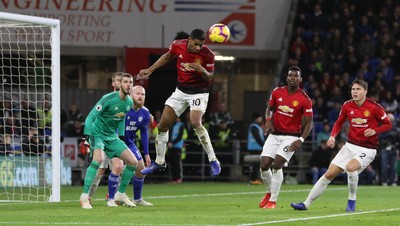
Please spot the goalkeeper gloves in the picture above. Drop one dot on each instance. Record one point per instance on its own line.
(84, 146)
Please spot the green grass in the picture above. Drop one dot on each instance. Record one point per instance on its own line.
(213, 204)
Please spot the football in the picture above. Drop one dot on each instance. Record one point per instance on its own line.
(219, 33)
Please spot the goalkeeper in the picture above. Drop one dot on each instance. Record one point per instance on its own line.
(105, 118)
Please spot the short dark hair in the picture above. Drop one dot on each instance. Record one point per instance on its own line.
(294, 68)
(360, 82)
(126, 75)
(198, 34)
(117, 74)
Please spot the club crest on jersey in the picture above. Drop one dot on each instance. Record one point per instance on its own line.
(120, 115)
(295, 103)
(140, 118)
(99, 107)
(198, 61)
(367, 113)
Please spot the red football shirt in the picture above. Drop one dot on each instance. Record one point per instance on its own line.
(369, 115)
(188, 79)
(289, 109)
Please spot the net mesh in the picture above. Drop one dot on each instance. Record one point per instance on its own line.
(25, 111)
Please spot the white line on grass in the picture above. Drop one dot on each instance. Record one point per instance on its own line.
(221, 194)
(322, 217)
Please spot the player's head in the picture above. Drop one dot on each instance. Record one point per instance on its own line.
(359, 89)
(126, 83)
(138, 94)
(293, 76)
(196, 40)
(116, 80)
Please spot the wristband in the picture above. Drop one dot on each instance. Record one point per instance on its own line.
(301, 139)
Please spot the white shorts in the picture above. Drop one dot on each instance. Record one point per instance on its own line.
(278, 145)
(350, 151)
(179, 101)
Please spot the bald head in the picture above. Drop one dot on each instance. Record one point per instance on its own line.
(138, 94)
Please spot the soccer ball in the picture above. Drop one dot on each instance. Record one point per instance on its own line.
(219, 33)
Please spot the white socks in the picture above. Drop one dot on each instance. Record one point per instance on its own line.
(161, 146)
(276, 182)
(266, 177)
(95, 184)
(205, 141)
(317, 190)
(352, 181)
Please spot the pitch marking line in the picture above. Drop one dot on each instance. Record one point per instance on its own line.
(322, 217)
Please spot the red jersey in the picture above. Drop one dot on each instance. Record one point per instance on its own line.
(288, 110)
(190, 81)
(369, 115)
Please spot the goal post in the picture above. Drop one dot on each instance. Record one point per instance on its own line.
(30, 73)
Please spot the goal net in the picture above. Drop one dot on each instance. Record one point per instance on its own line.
(29, 108)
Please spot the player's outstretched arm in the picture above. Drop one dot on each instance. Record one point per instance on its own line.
(163, 60)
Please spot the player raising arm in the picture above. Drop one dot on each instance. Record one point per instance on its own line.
(367, 119)
(105, 118)
(195, 64)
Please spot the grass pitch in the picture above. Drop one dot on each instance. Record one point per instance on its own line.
(213, 204)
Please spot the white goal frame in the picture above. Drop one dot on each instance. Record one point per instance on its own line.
(55, 92)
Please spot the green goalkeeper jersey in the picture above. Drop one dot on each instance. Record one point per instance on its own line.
(108, 116)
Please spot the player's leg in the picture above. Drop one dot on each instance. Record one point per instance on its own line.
(353, 168)
(168, 118)
(319, 187)
(113, 178)
(267, 158)
(118, 148)
(100, 173)
(282, 156)
(336, 167)
(174, 107)
(138, 179)
(89, 177)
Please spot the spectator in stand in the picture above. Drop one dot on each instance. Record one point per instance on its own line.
(221, 139)
(177, 137)
(33, 144)
(389, 147)
(320, 109)
(75, 114)
(334, 112)
(255, 143)
(324, 134)
(318, 20)
(8, 114)
(320, 160)
(387, 71)
(28, 117)
(389, 103)
(222, 115)
(383, 45)
(76, 130)
(366, 47)
(5, 145)
(335, 47)
(364, 28)
(44, 118)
